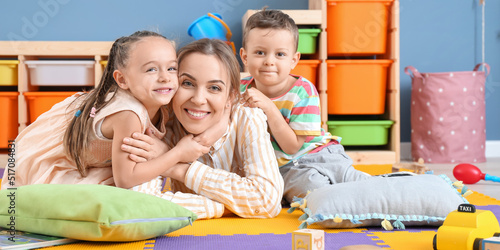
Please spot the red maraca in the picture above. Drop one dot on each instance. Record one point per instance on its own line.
(471, 174)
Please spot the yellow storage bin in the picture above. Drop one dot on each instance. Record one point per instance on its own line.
(8, 117)
(357, 27)
(41, 102)
(104, 63)
(8, 72)
(357, 87)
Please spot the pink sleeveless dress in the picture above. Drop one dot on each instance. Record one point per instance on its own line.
(40, 155)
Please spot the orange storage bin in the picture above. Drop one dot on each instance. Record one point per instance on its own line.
(357, 27)
(8, 117)
(41, 102)
(357, 87)
(308, 69)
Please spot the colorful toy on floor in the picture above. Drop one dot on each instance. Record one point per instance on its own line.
(466, 228)
(310, 239)
(470, 174)
(417, 167)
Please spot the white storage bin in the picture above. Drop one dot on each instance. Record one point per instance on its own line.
(61, 73)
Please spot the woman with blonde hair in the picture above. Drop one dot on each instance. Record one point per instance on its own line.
(240, 173)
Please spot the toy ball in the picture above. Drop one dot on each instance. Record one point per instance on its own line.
(470, 174)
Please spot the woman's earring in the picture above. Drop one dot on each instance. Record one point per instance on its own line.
(227, 105)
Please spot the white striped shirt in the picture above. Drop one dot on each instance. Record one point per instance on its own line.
(240, 173)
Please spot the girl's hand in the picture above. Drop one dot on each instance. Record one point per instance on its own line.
(212, 134)
(190, 150)
(144, 147)
(255, 99)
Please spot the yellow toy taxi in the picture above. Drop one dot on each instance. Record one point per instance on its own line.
(465, 228)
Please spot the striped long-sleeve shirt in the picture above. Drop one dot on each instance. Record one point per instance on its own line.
(240, 173)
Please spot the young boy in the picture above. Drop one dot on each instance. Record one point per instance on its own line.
(309, 157)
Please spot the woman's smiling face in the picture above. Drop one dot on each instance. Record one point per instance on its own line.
(203, 92)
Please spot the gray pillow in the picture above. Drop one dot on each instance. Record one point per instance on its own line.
(392, 202)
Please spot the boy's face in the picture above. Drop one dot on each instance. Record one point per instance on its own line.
(269, 56)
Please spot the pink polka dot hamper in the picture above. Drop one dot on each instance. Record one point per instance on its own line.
(448, 115)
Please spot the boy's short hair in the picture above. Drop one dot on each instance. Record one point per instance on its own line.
(271, 19)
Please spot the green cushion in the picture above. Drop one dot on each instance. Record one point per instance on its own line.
(90, 212)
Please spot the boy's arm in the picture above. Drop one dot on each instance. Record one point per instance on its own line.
(284, 135)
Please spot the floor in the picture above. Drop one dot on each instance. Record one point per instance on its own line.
(489, 188)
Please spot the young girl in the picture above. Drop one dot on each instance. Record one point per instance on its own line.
(78, 141)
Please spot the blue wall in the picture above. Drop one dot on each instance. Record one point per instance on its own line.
(436, 36)
(95, 20)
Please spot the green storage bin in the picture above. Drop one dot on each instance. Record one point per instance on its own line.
(361, 133)
(307, 40)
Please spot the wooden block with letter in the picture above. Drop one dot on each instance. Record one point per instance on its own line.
(308, 239)
(492, 243)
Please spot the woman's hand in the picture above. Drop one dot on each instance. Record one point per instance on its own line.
(189, 149)
(177, 172)
(144, 147)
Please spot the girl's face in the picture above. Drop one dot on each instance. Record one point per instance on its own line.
(150, 73)
(203, 94)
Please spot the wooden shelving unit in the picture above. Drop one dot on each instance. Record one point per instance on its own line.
(316, 15)
(32, 50)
